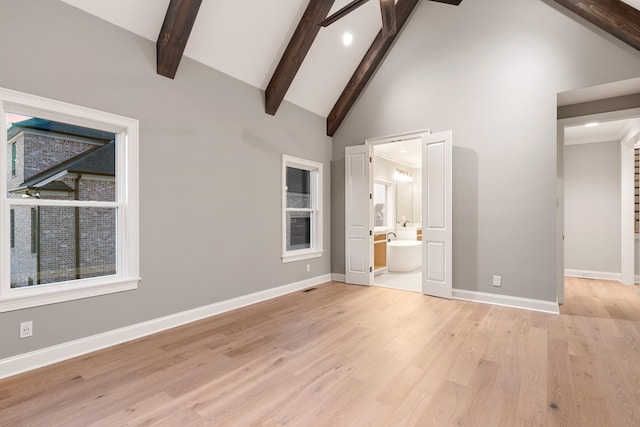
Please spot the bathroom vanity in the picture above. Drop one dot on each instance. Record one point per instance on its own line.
(379, 251)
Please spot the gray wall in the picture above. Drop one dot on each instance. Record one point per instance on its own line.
(210, 169)
(489, 70)
(592, 207)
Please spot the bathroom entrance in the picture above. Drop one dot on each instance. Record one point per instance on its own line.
(398, 213)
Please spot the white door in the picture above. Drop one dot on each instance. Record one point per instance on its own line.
(358, 216)
(437, 235)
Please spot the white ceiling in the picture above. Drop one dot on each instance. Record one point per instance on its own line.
(407, 153)
(245, 39)
(634, 3)
(614, 130)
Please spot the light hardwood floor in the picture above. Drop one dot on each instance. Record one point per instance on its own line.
(344, 355)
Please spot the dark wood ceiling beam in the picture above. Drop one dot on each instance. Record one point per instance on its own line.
(372, 59)
(296, 51)
(388, 11)
(453, 2)
(343, 12)
(613, 16)
(176, 28)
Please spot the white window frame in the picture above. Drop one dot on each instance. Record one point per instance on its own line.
(316, 249)
(126, 203)
(390, 203)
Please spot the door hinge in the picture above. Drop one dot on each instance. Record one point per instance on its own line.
(370, 159)
(370, 269)
(370, 233)
(370, 196)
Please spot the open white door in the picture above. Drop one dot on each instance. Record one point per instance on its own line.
(358, 216)
(437, 237)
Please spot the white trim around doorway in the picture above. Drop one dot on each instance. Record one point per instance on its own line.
(562, 123)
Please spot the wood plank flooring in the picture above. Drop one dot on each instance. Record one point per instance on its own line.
(344, 355)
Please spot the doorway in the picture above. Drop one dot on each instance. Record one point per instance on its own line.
(397, 214)
(597, 195)
(434, 249)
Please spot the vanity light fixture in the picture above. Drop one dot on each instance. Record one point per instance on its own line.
(592, 124)
(402, 176)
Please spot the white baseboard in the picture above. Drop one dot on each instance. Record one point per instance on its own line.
(507, 301)
(588, 274)
(338, 277)
(47, 356)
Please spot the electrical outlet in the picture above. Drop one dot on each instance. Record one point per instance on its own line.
(308, 267)
(497, 281)
(26, 329)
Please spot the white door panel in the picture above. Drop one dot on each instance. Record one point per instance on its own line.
(358, 216)
(357, 258)
(436, 261)
(437, 203)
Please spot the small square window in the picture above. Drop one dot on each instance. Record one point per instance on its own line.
(298, 230)
(380, 205)
(298, 188)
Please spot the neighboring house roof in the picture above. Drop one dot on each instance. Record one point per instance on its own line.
(97, 161)
(56, 186)
(100, 161)
(61, 128)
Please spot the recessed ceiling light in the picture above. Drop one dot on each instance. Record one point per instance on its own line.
(403, 151)
(592, 124)
(347, 38)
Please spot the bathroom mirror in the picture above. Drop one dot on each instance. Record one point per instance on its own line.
(404, 202)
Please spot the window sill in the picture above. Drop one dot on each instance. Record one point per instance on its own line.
(301, 256)
(20, 298)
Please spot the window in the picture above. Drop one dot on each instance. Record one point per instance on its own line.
(12, 228)
(302, 209)
(13, 159)
(382, 204)
(70, 197)
(35, 232)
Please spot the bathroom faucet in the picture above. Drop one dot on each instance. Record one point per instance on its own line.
(404, 224)
(389, 238)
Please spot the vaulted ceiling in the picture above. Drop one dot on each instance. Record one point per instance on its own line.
(280, 47)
